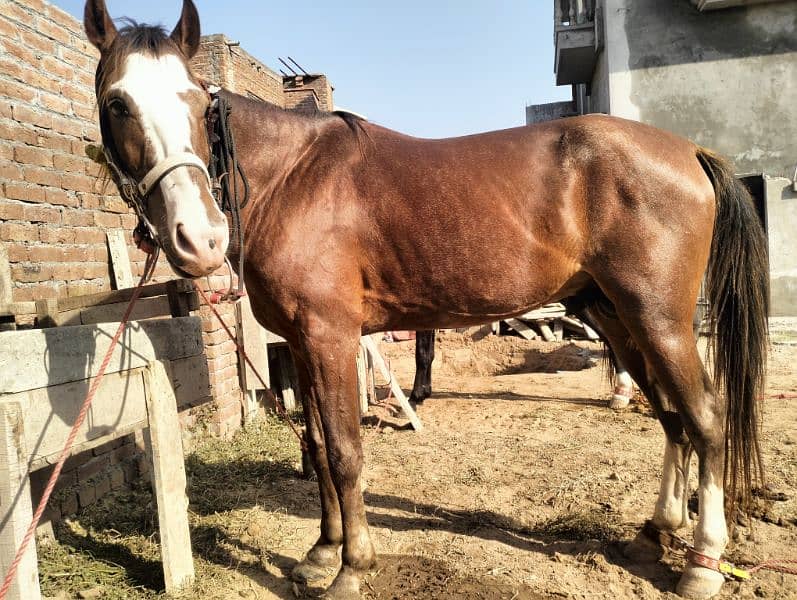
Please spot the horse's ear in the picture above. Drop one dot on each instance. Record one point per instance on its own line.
(99, 27)
(186, 34)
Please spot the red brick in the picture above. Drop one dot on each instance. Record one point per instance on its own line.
(43, 253)
(17, 91)
(83, 288)
(54, 103)
(78, 218)
(54, 31)
(33, 156)
(87, 494)
(43, 81)
(11, 211)
(37, 6)
(70, 163)
(22, 52)
(10, 171)
(8, 29)
(107, 220)
(42, 176)
(78, 93)
(60, 197)
(103, 486)
(37, 41)
(115, 204)
(91, 201)
(58, 235)
(12, 69)
(89, 236)
(17, 232)
(15, 12)
(16, 132)
(23, 114)
(78, 183)
(69, 503)
(16, 191)
(17, 252)
(87, 112)
(68, 126)
(53, 141)
(40, 291)
(42, 214)
(62, 18)
(92, 467)
(116, 477)
(6, 152)
(33, 272)
(77, 59)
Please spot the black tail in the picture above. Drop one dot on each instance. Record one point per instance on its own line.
(737, 284)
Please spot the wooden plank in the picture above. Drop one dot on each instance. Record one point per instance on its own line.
(288, 381)
(253, 339)
(6, 283)
(558, 330)
(379, 362)
(145, 308)
(46, 312)
(15, 504)
(273, 338)
(168, 469)
(591, 333)
(51, 411)
(179, 302)
(362, 381)
(147, 291)
(190, 379)
(38, 358)
(524, 330)
(546, 332)
(120, 259)
(370, 378)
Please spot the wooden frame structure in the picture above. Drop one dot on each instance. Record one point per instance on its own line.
(44, 376)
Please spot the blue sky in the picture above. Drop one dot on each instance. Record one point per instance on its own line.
(437, 68)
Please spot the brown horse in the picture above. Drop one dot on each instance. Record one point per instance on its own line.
(352, 228)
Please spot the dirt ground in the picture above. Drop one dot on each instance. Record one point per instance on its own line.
(523, 485)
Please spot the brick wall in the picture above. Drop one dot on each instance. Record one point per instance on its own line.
(55, 212)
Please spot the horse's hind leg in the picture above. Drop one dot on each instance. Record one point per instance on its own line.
(424, 355)
(671, 512)
(669, 348)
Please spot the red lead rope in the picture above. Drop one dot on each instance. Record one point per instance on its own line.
(48, 490)
(280, 409)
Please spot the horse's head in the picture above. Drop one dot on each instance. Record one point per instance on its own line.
(152, 118)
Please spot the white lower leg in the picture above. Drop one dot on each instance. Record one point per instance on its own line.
(671, 510)
(711, 532)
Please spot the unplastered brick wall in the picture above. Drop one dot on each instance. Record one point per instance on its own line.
(55, 214)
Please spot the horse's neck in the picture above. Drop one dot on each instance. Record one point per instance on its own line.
(268, 139)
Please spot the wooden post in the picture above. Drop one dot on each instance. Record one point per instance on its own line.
(120, 260)
(558, 330)
(169, 480)
(47, 313)
(546, 332)
(179, 301)
(15, 504)
(524, 330)
(362, 381)
(287, 379)
(370, 347)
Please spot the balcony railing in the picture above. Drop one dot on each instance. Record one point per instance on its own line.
(576, 41)
(568, 13)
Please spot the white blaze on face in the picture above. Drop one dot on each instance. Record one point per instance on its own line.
(157, 87)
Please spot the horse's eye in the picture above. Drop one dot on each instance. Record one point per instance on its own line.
(118, 108)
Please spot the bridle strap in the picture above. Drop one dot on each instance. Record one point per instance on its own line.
(166, 166)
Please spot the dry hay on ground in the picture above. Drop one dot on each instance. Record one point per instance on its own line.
(523, 485)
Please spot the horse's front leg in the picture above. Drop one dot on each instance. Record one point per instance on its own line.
(325, 357)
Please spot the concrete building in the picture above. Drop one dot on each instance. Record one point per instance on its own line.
(720, 72)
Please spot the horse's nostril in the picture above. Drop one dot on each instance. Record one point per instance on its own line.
(183, 243)
(211, 243)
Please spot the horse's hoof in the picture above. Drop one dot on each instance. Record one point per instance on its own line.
(307, 571)
(643, 550)
(319, 563)
(698, 582)
(620, 399)
(345, 587)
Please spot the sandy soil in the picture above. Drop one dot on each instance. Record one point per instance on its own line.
(523, 485)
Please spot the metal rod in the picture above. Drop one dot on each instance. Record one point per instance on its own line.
(287, 66)
(301, 68)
